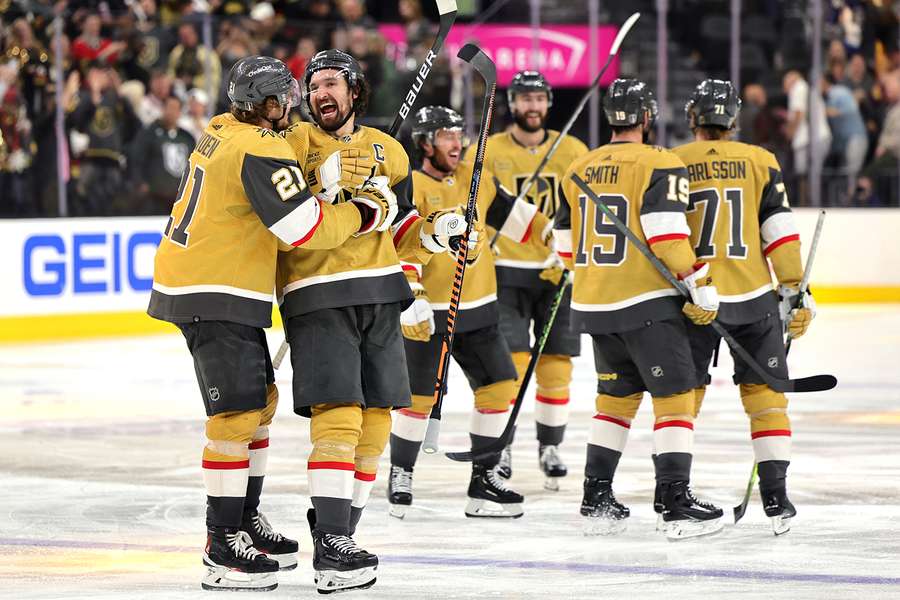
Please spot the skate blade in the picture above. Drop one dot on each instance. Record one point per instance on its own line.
(689, 528)
(660, 523)
(551, 484)
(594, 526)
(780, 524)
(225, 579)
(286, 562)
(398, 511)
(478, 508)
(334, 582)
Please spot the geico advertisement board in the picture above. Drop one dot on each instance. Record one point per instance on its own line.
(53, 266)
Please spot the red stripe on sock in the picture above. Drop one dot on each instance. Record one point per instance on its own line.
(770, 433)
(223, 465)
(339, 466)
(257, 444)
(546, 400)
(491, 411)
(364, 476)
(613, 420)
(685, 424)
(412, 413)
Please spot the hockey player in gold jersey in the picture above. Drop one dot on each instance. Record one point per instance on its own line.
(527, 273)
(739, 217)
(341, 310)
(633, 315)
(479, 348)
(241, 196)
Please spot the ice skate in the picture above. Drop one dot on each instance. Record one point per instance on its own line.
(552, 466)
(779, 509)
(232, 563)
(271, 543)
(604, 514)
(658, 508)
(489, 496)
(685, 516)
(504, 467)
(340, 565)
(399, 491)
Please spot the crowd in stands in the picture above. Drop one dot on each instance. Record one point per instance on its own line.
(138, 80)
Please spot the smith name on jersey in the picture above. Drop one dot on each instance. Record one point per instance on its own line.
(365, 269)
(241, 194)
(519, 265)
(616, 288)
(739, 215)
(515, 221)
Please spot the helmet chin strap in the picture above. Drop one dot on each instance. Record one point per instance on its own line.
(272, 124)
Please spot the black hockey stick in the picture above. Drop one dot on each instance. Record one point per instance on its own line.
(595, 85)
(815, 383)
(501, 442)
(807, 271)
(480, 61)
(447, 12)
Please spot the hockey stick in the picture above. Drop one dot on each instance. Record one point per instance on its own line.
(741, 508)
(447, 12)
(613, 51)
(815, 383)
(501, 442)
(804, 282)
(471, 54)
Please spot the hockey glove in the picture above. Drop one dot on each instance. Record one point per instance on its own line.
(417, 321)
(378, 207)
(439, 227)
(348, 168)
(796, 312)
(704, 304)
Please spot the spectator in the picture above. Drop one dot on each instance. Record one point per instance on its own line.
(263, 25)
(802, 108)
(151, 106)
(156, 41)
(196, 116)
(160, 154)
(32, 61)
(303, 53)
(90, 46)
(110, 124)
(889, 140)
(418, 28)
(850, 142)
(16, 157)
(193, 65)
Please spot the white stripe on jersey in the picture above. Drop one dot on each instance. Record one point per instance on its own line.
(778, 226)
(746, 296)
(656, 224)
(526, 264)
(519, 221)
(297, 224)
(357, 274)
(563, 239)
(652, 295)
(211, 289)
(466, 305)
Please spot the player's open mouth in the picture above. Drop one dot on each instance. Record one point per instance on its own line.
(453, 154)
(328, 109)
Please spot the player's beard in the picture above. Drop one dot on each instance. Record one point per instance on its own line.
(336, 121)
(440, 162)
(522, 121)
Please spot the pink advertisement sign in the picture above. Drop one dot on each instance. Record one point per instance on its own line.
(564, 50)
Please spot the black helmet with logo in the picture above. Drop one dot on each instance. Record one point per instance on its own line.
(626, 102)
(715, 103)
(528, 81)
(255, 78)
(430, 119)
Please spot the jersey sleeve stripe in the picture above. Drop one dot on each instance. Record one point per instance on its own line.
(411, 268)
(517, 225)
(664, 223)
(400, 229)
(563, 239)
(300, 224)
(788, 238)
(667, 237)
(778, 226)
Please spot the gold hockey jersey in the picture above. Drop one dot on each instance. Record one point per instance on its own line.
(519, 265)
(515, 221)
(739, 215)
(241, 193)
(615, 287)
(365, 269)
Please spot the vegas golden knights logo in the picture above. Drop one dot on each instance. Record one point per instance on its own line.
(544, 192)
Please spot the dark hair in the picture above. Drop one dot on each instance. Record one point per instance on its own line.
(620, 129)
(715, 132)
(174, 97)
(363, 93)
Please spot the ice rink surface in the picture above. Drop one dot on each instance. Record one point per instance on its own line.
(102, 497)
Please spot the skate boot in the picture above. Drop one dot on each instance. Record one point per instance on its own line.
(489, 496)
(274, 545)
(605, 515)
(399, 491)
(232, 563)
(778, 508)
(552, 466)
(504, 467)
(684, 516)
(339, 564)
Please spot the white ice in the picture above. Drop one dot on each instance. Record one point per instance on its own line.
(102, 498)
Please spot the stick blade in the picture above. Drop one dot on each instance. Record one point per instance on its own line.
(623, 31)
(446, 6)
(460, 456)
(815, 383)
(739, 512)
(473, 55)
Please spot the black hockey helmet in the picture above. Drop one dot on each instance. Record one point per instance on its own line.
(430, 119)
(715, 103)
(626, 102)
(651, 107)
(341, 61)
(528, 81)
(254, 78)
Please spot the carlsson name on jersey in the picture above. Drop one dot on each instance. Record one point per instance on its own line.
(417, 86)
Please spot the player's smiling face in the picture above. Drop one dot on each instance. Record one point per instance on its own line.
(448, 145)
(330, 97)
(530, 110)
